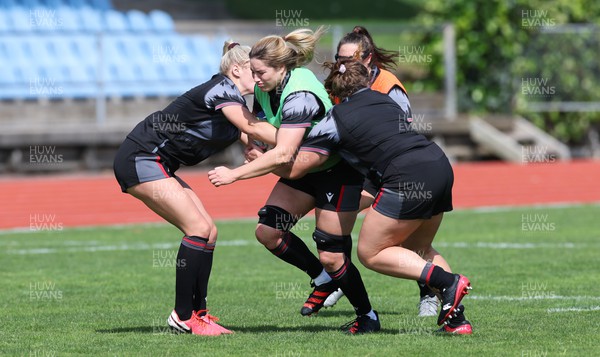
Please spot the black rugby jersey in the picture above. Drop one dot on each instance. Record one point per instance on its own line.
(192, 127)
(369, 130)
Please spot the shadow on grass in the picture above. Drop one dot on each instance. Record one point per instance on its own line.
(350, 313)
(239, 329)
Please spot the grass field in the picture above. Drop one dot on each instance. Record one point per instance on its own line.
(108, 291)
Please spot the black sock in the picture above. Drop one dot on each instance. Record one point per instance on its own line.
(425, 290)
(436, 277)
(349, 280)
(292, 250)
(348, 246)
(202, 281)
(192, 252)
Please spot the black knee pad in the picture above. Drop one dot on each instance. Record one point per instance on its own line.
(276, 217)
(330, 242)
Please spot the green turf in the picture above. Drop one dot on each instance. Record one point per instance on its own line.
(106, 291)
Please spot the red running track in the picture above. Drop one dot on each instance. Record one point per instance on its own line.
(85, 200)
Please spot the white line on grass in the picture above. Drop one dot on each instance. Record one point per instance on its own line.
(525, 298)
(92, 246)
(120, 247)
(573, 309)
(510, 245)
(475, 210)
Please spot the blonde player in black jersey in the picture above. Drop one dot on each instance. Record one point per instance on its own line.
(201, 122)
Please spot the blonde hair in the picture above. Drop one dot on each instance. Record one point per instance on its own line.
(293, 50)
(233, 53)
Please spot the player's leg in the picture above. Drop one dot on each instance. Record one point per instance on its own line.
(367, 196)
(331, 236)
(168, 198)
(150, 179)
(420, 241)
(380, 249)
(284, 207)
(200, 296)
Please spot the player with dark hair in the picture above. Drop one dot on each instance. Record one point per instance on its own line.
(414, 181)
(201, 122)
(358, 45)
(293, 100)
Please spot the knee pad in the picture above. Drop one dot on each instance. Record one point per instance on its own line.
(276, 217)
(331, 242)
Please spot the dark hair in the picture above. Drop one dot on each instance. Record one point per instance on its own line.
(379, 57)
(345, 78)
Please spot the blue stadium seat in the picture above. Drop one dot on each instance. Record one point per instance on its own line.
(91, 20)
(54, 3)
(37, 48)
(69, 19)
(34, 82)
(5, 25)
(54, 81)
(85, 48)
(7, 4)
(20, 19)
(115, 21)
(12, 85)
(62, 50)
(76, 4)
(13, 49)
(161, 21)
(8, 75)
(132, 46)
(138, 21)
(123, 80)
(82, 82)
(200, 46)
(30, 4)
(101, 4)
(114, 51)
(4, 53)
(44, 19)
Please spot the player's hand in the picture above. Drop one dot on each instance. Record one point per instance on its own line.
(251, 152)
(221, 175)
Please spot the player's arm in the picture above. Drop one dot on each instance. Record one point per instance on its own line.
(298, 111)
(288, 141)
(241, 117)
(315, 150)
(302, 164)
(400, 97)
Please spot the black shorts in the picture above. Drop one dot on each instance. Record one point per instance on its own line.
(336, 189)
(370, 187)
(416, 191)
(134, 165)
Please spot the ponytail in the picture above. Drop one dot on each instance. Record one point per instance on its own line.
(362, 38)
(233, 53)
(294, 50)
(345, 78)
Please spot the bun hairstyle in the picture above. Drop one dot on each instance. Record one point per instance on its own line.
(294, 50)
(233, 53)
(362, 38)
(345, 78)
